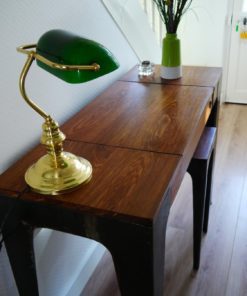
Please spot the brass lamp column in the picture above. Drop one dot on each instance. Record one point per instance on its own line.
(75, 60)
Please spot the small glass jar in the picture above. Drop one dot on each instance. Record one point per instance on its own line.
(146, 68)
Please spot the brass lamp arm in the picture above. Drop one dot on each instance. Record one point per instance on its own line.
(22, 80)
(24, 49)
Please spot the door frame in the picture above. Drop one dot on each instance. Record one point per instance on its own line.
(226, 55)
(226, 48)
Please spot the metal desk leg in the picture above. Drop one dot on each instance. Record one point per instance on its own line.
(18, 239)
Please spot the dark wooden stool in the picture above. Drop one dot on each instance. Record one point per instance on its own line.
(200, 169)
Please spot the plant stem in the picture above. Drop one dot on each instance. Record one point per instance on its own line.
(171, 12)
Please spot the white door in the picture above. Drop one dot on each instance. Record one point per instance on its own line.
(237, 71)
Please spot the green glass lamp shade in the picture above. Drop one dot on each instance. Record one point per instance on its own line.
(65, 48)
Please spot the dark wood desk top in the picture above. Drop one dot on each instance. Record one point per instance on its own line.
(149, 117)
(124, 181)
(192, 75)
(131, 133)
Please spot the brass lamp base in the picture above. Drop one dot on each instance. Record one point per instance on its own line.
(45, 178)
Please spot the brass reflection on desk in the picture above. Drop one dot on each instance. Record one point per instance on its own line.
(75, 60)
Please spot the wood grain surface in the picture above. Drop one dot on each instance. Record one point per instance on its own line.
(159, 118)
(125, 182)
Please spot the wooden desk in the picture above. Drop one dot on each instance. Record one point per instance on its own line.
(139, 139)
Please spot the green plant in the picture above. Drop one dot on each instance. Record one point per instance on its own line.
(171, 12)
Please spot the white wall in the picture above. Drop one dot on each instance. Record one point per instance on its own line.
(22, 22)
(133, 22)
(202, 33)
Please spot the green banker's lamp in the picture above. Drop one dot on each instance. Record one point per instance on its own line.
(75, 60)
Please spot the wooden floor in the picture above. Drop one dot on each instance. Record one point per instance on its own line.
(223, 270)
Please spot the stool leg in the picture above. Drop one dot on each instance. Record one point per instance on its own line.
(198, 172)
(208, 193)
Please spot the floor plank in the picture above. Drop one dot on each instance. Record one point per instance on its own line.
(237, 277)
